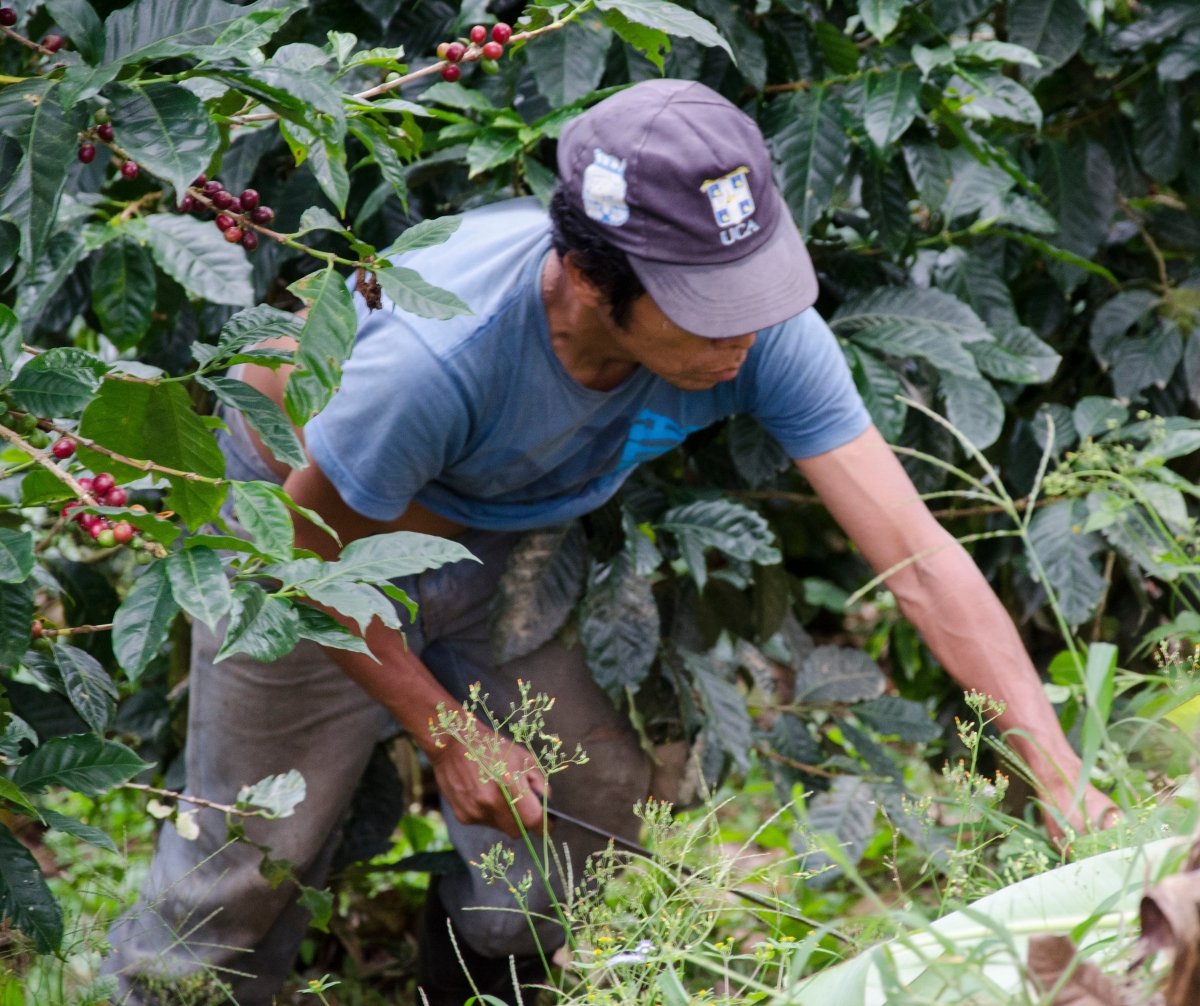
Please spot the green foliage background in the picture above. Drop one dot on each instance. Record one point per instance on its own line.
(1000, 199)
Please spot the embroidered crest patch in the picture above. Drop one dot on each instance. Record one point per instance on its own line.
(730, 197)
(604, 189)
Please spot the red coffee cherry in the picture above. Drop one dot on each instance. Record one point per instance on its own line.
(493, 50)
(63, 448)
(87, 152)
(122, 532)
(116, 496)
(187, 203)
(501, 33)
(262, 214)
(8, 17)
(224, 221)
(234, 235)
(199, 180)
(211, 188)
(455, 52)
(35, 630)
(105, 131)
(223, 200)
(249, 240)
(479, 34)
(53, 42)
(248, 199)
(451, 73)
(101, 483)
(130, 169)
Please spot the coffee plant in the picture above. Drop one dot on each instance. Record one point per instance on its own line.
(1000, 198)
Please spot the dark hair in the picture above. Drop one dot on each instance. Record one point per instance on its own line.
(604, 265)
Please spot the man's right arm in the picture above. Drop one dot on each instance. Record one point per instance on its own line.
(400, 681)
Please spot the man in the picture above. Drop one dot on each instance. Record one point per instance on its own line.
(670, 283)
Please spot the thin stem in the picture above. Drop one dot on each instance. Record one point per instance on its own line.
(43, 459)
(27, 42)
(198, 801)
(141, 464)
(77, 630)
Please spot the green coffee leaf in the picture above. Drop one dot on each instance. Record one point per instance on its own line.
(88, 686)
(16, 555)
(263, 627)
(844, 815)
(409, 292)
(880, 17)
(165, 129)
(809, 143)
(543, 580)
(16, 619)
(891, 103)
(669, 18)
(325, 341)
(838, 674)
(263, 416)
(143, 621)
(278, 795)
(58, 382)
(123, 291)
(77, 829)
(156, 422)
(723, 708)
(1054, 29)
(197, 256)
(973, 407)
(1069, 557)
(892, 715)
(265, 517)
(325, 630)
(199, 584)
(82, 762)
(619, 626)
(729, 527)
(569, 64)
(24, 896)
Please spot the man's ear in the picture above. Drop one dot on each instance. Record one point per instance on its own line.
(583, 290)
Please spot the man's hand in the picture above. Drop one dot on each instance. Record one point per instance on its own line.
(476, 802)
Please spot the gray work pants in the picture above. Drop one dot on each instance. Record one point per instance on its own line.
(205, 910)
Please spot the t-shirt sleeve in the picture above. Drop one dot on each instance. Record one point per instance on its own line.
(804, 393)
(395, 422)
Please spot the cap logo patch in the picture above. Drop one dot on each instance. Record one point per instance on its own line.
(604, 189)
(732, 204)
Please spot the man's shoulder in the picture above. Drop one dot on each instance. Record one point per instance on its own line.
(487, 256)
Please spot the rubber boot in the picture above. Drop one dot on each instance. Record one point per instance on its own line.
(440, 973)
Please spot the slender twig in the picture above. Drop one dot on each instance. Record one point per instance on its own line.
(77, 630)
(29, 43)
(139, 463)
(1164, 278)
(198, 801)
(473, 54)
(42, 458)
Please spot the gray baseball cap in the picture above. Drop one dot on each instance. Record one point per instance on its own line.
(679, 179)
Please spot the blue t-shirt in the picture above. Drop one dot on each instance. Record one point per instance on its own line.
(476, 418)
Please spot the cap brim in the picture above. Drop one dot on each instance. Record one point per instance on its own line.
(773, 283)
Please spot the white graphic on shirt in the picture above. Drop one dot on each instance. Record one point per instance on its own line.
(604, 189)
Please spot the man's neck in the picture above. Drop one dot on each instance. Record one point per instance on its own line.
(579, 334)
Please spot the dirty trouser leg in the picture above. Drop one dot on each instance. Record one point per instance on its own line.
(204, 909)
(457, 648)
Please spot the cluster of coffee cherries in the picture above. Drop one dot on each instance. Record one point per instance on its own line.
(234, 213)
(103, 488)
(105, 133)
(51, 43)
(478, 46)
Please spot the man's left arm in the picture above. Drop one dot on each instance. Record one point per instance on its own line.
(943, 593)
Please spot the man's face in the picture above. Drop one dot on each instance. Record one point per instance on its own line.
(688, 361)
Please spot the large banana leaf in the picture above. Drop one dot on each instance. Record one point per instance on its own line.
(976, 955)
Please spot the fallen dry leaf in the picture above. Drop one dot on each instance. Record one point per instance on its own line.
(1170, 914)
(1052, 957)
